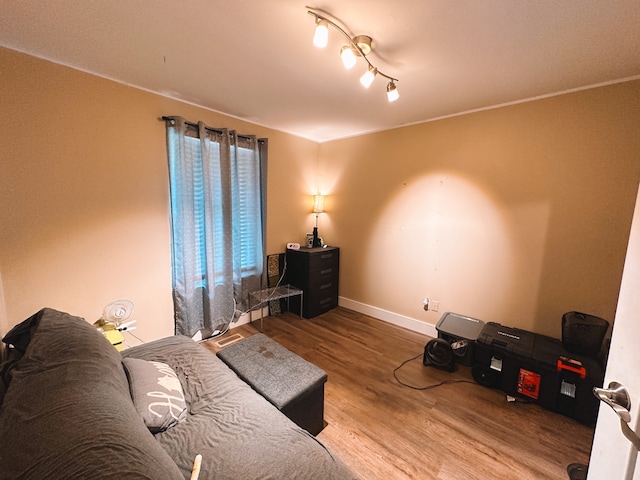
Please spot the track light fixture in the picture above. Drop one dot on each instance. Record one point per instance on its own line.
(358, 46)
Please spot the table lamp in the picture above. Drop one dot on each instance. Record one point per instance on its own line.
(318, 208)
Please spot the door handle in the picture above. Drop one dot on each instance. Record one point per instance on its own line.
(617, 397)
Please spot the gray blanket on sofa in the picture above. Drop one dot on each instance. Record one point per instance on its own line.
(67, 413)
(239, 434)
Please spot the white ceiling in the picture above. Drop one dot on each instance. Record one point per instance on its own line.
(255, 59)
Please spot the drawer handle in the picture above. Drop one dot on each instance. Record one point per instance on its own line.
(325, 286)
(326, 255)
(326, 270)
(326, 300)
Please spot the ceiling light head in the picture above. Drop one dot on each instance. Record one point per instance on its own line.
(367, 79)
(364, 43)
(321, 35)
(348, 56)
(392, 92)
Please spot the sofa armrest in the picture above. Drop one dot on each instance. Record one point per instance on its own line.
(67, 412)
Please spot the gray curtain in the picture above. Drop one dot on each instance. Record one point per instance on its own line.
(218, 218)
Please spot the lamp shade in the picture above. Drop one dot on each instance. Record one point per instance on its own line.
(348, 57)
(321, 35)
(367, 79)
(318, 204)
(392, 92)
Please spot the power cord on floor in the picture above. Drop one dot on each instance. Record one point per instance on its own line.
(238, 313)
(227, 325)
(510, 398)
(426, 387)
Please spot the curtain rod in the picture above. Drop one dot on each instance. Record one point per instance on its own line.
(216, 130)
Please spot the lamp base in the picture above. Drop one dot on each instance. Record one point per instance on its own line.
(316, 238)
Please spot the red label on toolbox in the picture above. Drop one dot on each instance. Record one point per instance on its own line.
(529, 383)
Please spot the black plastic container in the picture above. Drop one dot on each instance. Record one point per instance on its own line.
(539, 369)
(577, 375)
(500, 352)
(583, 334)
(544, 364)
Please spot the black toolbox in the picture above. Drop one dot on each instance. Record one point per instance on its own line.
(539, 369)
(577, 375)
(499, 354)
(537, 376)
(461, 332)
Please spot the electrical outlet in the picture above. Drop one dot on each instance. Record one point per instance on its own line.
(434, 305)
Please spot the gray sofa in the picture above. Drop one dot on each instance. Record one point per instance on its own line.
(67, 412)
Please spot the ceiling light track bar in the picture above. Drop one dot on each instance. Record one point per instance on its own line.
(351, 41)
(358, 46)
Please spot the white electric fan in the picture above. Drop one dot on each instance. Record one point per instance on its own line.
(116, 313)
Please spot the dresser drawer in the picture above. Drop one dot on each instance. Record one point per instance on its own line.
(323, 279)
(324, 260)
(319, 304)
(315, 302)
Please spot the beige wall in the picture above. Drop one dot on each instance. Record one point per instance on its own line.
(84, 193)
(514, 215)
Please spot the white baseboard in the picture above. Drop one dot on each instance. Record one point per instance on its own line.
(375, 312)
(389, 317)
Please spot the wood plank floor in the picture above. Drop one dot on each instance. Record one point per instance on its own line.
(384, 430)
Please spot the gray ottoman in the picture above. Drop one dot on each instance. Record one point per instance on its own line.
(293, 385)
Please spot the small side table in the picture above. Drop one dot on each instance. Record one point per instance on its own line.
(260, 297)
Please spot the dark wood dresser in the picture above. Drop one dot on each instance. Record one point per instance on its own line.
(315, 271)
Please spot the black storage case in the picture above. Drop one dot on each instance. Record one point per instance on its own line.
(500, 352)
(540, 369)
(461, 332)
(568, 380)
(575, 387)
